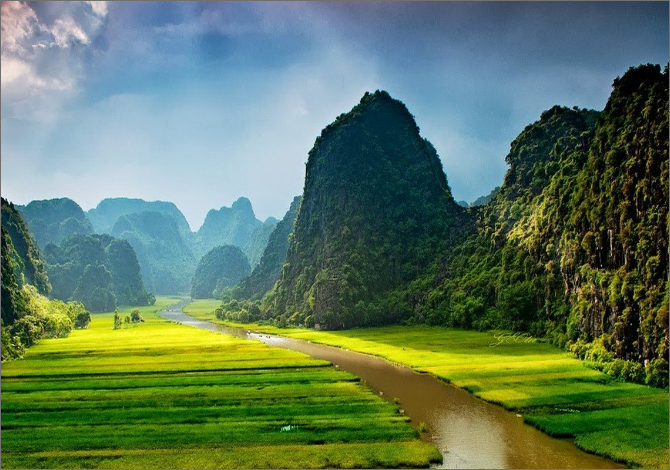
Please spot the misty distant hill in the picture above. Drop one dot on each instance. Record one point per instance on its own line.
(104, 216)
(53, 220)
(233, 225)
(166, 260)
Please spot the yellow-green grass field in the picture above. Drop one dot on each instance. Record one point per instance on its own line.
(163, 395)
(554, 391)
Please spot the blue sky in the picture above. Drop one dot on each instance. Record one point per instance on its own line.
(200, 103)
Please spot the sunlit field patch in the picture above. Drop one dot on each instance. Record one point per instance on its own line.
(162, 395)
(553, 391)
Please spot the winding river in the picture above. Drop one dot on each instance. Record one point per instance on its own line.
(469, 432)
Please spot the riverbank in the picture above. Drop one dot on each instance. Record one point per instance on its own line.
(550, 389)
(162, 395)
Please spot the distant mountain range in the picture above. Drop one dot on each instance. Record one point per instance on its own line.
(166, 248)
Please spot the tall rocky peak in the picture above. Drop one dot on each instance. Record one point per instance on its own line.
(233, 225)
(541, 148)
(375, 211)
(166, 259)
(242, 205)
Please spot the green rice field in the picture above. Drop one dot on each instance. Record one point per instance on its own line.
(552, 390)
(163, 395)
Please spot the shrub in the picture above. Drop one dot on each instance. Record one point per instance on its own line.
(11, 345)
(135, 316)
(657, 373)
(82, 320)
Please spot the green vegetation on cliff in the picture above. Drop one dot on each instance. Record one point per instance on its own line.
(28, 261)
(27, 314)
(107, 212)
(53, 220)
(575, 243)
(166, 260)
(221, 267)
(98, 270)
(267, 272)
(573, 246)
(375, 210)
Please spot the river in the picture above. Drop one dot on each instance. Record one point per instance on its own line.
(469, 432)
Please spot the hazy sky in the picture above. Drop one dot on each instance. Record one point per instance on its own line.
(200, 103)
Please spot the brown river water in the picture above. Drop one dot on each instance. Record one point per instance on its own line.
(469, 432)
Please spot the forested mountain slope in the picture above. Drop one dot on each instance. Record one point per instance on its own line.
(253, 249)
(375, 209)
(27, 314)
(107, 212)
(221, 267)
(267, 272)
(53, 220)
(100, 271)
(27, 260)
(575, 243)
(166, 260)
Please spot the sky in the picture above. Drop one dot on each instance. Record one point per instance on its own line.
(201, 103)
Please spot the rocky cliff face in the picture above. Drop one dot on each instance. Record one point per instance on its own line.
(376, 208)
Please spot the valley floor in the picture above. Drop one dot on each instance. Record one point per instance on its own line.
(554, 392)
(163, 395)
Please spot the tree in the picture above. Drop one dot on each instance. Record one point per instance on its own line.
(117, 320)
(82, 320)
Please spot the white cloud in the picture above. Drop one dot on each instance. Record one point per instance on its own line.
(66, 32)
(14, 69)
(98, 8)
(18, 23)
(43, 54)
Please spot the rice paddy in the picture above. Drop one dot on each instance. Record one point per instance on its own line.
(163, 395)
(552, 390)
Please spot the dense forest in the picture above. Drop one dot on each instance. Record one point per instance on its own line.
(221, 267)
(98, 270)
(266, 273)
(29, 268)
(53, 220)
(166, 260)
(375, 209)
(27, 314)
(573, 246)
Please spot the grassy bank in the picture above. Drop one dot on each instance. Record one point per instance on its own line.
(553, 391)
(162, 395)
